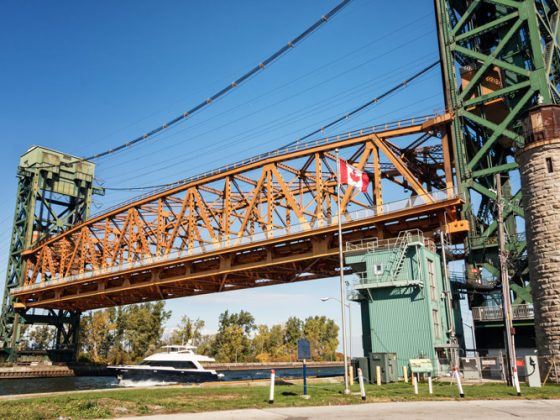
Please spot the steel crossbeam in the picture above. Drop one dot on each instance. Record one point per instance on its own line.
(499, 58)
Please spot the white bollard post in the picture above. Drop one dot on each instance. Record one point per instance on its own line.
(430, 384)
(361, 381)
(415, 384)
(516, 381)
(405, 373)
(272, 379)
(378, 375)
(458, 377)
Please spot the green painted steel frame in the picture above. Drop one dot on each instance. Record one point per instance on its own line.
(38, 214)
(518, 40)
(9, 320)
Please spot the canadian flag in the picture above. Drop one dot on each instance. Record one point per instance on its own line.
(352, 176)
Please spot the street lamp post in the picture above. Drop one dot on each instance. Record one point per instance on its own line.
(324, 299)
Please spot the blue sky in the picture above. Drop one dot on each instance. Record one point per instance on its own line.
(82, 77)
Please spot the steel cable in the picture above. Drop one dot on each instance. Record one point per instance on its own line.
(367, 104)
(385, 94)
(261, 66)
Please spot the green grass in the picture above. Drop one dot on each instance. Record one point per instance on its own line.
(152, 401)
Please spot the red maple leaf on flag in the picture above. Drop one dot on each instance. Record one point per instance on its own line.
(355, 176)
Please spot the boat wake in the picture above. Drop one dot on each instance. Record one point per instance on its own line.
(126, 383)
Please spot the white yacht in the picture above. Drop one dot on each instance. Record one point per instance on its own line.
(173, 364)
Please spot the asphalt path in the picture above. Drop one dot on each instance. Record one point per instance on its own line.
(467, 409)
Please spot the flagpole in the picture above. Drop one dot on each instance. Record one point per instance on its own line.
(341, 263)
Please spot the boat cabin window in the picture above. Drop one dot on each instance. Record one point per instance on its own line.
(170, 363)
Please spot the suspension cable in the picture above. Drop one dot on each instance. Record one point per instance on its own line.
(367, 104)
(258, 68)
(375, 100)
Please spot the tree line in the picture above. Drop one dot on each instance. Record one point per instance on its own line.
(130, 333)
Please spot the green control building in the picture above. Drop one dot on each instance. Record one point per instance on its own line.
(406, 304)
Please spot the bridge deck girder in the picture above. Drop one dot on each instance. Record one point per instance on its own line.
(307, 255)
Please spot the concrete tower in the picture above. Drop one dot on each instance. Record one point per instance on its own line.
(539, 164)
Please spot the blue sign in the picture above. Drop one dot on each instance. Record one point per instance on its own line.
(303, 349)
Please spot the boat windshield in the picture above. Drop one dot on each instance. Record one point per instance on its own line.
(176, 349)
(183, 364)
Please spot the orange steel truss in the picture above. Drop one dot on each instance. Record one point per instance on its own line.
(270, 220)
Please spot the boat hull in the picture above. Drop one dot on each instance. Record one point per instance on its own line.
(164, 375)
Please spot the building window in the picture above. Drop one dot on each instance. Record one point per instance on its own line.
(549, 167)
(437, 326)
(378, 269)
(432, 280)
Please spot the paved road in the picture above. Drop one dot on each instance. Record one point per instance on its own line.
(495, 410)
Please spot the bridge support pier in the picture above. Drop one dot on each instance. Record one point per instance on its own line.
(539, 163)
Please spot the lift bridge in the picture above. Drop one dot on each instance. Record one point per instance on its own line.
(273, 219)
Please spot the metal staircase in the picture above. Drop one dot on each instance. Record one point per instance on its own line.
(391, 272)
(394, 263)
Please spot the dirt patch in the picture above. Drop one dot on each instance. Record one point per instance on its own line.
(117, 408)
(155, 407)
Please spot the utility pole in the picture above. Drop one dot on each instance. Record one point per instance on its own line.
(506, 294)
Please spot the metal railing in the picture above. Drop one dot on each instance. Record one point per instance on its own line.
(457, 277)
(261, 157)
(415, 235)
(274, 153)
(366, 279)
(379, 279)
(299, 146)
(461, 280)
(399, 245)
(249, 239)
(496, 313)
(368, 245)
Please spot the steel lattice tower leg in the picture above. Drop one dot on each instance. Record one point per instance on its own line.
(499, 58)
(54, 193)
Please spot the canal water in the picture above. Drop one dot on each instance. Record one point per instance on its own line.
(78, 383)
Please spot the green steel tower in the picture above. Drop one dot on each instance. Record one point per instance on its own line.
(54, 192)
(499, 58)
